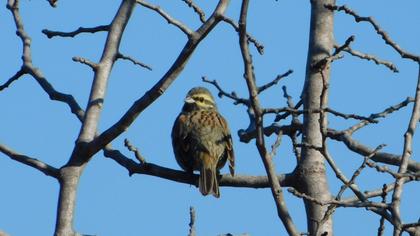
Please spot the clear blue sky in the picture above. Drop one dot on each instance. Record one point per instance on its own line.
(112, 203)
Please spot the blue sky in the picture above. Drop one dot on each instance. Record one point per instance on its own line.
(112, 203)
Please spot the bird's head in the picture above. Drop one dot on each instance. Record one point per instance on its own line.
(199, 98)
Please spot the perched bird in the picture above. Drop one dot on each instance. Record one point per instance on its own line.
(201, 140)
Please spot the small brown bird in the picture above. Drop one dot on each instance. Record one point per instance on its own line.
(201, 140)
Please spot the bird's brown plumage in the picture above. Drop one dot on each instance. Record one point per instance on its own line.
(201, 140)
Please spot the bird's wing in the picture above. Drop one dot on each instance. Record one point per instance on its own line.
(229, 144)
(179, 143)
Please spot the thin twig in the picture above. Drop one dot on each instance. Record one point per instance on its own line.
(192, 231)
(260, 47)
(374, 193)
(381, 227)
(275, 81)
(137, 154)
(276, 144)
(321, 64)
(336, 202)
(85, 61)
(29, 68)
(381, 114)
(196, 9)
(378, 29)
(134, 61)
(237, 100)
(167, 17)
(80, 30)
(295, 121)
(12, 79)
(369, 57)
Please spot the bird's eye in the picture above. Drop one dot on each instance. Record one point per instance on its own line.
(201, 99)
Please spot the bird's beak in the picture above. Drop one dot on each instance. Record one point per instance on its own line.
(189, 100)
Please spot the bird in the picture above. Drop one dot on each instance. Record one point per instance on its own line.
(201, 140)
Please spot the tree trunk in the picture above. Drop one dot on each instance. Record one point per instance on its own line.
(71, 172)
(69, 179)
(311, 170)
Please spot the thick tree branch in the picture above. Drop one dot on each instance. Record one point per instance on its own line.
(29, 161)
(100, 81)
(363, 150)
(192, 179)
(247, 135)
(71, 172)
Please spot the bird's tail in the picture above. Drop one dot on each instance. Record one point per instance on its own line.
(208, 183)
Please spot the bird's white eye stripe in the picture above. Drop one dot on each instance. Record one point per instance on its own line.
(203, 98)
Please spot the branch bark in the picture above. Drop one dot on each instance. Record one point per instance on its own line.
(275, 187)
(151, 169)
(71, 172)
(311, 169)
(407, 151)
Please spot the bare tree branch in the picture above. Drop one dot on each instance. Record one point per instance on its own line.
(381, 227)
(363, 150)
(12, 79)
(80, 30)
(260, 47)
(87, 62)
(374, 193)
(192, 222)
(137, 154)
(275, 187)
(275, 81)
(369, 57)
(378, 29)
(188, 178)
(71, 172)
(196, 9)
(237, 100)
(335, 202)
(134, 61)
(158, 89)
(321, 64)
(406, 154)
(29, 161)
(28, 67)
(167, 17)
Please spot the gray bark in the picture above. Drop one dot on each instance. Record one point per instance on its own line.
(311, 170)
